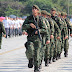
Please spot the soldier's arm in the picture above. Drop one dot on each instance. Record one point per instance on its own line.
(25, 25)
(56, 27)
(69, 25)
(3, 28)
(51, 27)
(60, 23)
(65, 30)
(44, 29)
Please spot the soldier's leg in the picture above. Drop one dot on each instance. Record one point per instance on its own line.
(29, 53)
(42, 50)
(37, 47)
(55, 49)
(52, 46)
(59, 49)
(66, 47)
(6, 32)
(0, 41)
(47, 54)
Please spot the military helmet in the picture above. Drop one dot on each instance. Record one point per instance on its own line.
(53, 9)
(44, 12)
(62, 13)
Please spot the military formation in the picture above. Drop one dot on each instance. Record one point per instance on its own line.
(47, 36)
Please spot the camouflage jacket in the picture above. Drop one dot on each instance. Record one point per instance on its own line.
(31, 31)
(62, 25)
(54, 27)
(68, 25)
(2, 29)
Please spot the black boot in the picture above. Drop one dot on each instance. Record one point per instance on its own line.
(30, 64)
(36, 69)
(59, 56)
(54, 60)
(66, 54)
(50, 60)
(40, 66)
(46, 62)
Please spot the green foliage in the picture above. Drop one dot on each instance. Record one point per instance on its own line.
(24, 7)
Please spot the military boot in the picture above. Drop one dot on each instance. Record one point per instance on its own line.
(40, 66)
(36, 69)
(50, 60)
(66, 54)
(54, 60)
(59, 56)
(30, 64)
(46, 62)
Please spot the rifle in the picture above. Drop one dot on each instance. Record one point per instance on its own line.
(37, 29)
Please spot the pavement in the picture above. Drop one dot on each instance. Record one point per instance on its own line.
(13, 58)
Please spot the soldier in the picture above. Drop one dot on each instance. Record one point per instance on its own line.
(2, 30)
(53, 29)
(69, 27)
(47, 47)
(62, 33)
(34, 28)
(61, 26)
(66, 43)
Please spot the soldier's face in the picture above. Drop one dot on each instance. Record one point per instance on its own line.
(35, 10)
(53, 12)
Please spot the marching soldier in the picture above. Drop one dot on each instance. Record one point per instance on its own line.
(66, 43)
(47, 47)
(54, 28)
(34, 28)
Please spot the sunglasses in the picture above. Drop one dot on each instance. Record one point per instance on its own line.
(34, 8)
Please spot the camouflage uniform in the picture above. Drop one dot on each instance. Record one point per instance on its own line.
(69, 27)
(65, 43)
(2, 30)
(47, 47)
(34, 38)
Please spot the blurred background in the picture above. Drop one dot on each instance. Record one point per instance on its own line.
(23, 7)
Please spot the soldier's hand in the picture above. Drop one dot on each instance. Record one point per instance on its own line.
(58, 37)
(32, 25)
(47, 42)
(65, 37)
(25, 33)
(36, 32)
(71, 35)
(51, 36)
(4, 35)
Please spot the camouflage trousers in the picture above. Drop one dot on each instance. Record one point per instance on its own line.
(52, 46)
(66, 45)
(33, 49)
(62, 45)
(55, 48)
(59, 46)
(47, 52)
(0, 40)
(42, 50)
